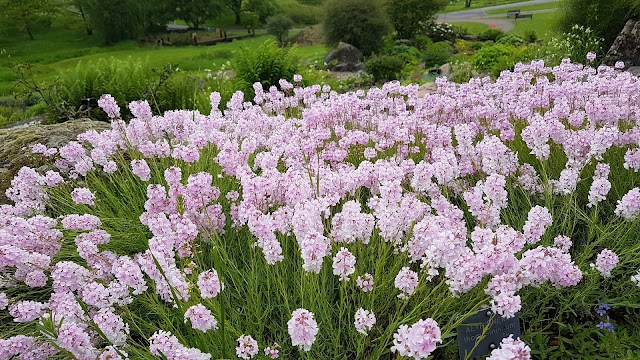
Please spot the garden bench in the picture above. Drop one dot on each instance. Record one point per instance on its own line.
(522, 16)
(513, 13)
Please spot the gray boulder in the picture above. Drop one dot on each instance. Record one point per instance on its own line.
(344, 57)
(445, 70)
(626, 47)
(635, 70)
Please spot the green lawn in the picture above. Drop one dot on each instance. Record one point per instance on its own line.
(457, 5)
(472, 27)
(545, 6)
(544, 24)
(58, 50)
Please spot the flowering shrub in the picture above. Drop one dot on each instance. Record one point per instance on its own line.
(575, 44)
(312, 223)
(438, 31)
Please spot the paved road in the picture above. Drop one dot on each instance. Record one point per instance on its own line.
(479, 15)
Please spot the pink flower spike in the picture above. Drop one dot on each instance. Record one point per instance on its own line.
(302, 329)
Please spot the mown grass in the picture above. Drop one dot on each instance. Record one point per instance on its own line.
(543, 24)
(58, 50)
(457, 5)
(472, 27)
(544, 6)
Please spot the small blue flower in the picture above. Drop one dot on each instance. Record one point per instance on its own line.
(602, 309)
(605, 325)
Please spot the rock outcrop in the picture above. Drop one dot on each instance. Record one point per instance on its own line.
(626, 47)
(15, 143)
(344, 57)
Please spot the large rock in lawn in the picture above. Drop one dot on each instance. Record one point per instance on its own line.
(626, 47)
(344, 57)
(15, 144)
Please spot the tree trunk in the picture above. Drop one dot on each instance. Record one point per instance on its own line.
(237, 12)
(87, 25)
(28, 28)
(467, 3)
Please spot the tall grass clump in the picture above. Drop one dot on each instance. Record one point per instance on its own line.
(266, 65)
(309, 224)
(127, 80)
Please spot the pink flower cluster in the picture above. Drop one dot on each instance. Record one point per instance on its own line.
(272, 351)
(364, 321)
(163, 343)
(327, 170)
(365, 282)
(200, 318)
(247, 347)
(209, 284)
(83, 196)
(302, 329)
(344, 264)
(406, 281)
(417, 341)
(606, 261)
(511, 349)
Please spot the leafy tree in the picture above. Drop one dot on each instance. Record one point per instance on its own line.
(156, 14)
(125, 19)
(116, 19)
(279, 26)
(236, 7)
(196, 12)
(361, 23)
(408, 15)
(79, 8)
(26, 14)
(262, 8)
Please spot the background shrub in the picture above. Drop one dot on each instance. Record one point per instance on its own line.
(436, 54)
(464, 46)
(574, 45)
(361, 23)
(511, 40)
(409, 16)
(604, 17)
(422, 41)
(302, 14)
(267, 65)
(409, 54)
(439, 31)
(531, 36)
(492, 34)
(384, 67)
(461, 72)
(495, 58)
(279, 26)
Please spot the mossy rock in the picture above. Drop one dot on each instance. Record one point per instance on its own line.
(15, 144)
